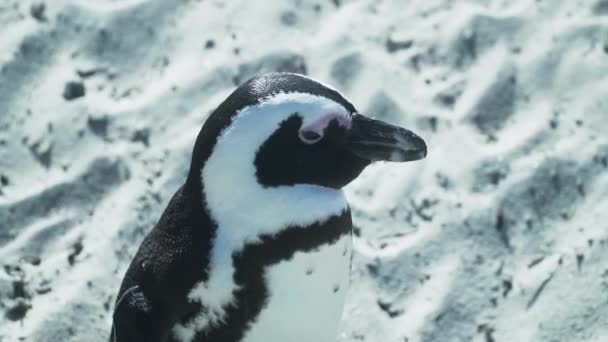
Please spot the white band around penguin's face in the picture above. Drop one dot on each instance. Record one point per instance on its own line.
(229, 175)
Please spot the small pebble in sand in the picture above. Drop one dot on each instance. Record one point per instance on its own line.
(37, 11)
(209, 44)
(73, 90)
(4, 180)
(393, 45)
(18, 310)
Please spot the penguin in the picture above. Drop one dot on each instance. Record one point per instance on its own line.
(255, 246)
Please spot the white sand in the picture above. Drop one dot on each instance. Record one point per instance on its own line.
(501, 234)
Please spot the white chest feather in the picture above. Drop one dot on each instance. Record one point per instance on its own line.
(306, 295)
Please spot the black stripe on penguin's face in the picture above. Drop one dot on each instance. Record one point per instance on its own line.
(292, 156)
(332, 151)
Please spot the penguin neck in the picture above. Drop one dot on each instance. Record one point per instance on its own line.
(244, 210)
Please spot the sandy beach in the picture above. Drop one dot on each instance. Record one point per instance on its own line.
(499, 235)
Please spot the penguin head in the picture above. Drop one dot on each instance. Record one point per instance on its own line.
(284, 129)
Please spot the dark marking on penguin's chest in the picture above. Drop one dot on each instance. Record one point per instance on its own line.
(250, 264)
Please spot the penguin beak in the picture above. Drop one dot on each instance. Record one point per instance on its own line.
(376, 140)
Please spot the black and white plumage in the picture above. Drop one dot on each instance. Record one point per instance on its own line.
(256, 245)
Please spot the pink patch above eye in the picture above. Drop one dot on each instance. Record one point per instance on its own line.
(313, 132)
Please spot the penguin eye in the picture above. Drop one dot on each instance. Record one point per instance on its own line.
(322, 126)
(309, 137)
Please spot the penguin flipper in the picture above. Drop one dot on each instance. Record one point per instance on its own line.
(133, 317)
